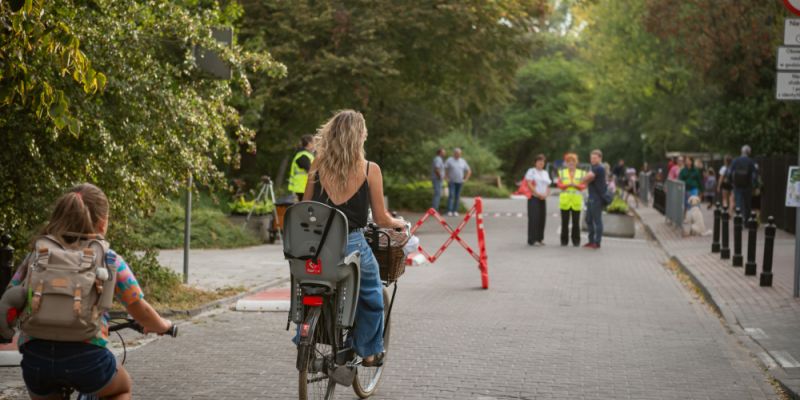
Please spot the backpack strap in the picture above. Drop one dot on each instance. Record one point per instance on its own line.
(104, 276)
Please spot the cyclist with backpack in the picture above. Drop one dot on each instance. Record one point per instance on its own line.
(70, 278)
(743, 172)
(342, 178)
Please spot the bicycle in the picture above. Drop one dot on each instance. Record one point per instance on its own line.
(324, 299)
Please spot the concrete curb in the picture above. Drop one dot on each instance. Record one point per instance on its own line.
(728, 318)
(224, 301)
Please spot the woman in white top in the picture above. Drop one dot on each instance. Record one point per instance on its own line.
(539, 184)
(724, 186)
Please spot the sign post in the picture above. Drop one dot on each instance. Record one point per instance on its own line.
(787, 87)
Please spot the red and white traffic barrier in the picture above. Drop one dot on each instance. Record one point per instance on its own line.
(477, 211)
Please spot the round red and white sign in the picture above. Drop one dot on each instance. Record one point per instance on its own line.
(793, 6)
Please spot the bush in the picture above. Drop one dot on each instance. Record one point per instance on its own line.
(617, 206)
(476, 188)
(414, 196)
(158, 282)
(243, 207)
(210, 228)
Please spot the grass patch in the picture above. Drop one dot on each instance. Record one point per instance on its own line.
(210, 227)
(188, 298)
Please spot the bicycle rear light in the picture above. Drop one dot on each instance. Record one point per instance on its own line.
(314, 301)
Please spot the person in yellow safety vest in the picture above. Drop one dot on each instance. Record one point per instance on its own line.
(571, 199)
(301, 164)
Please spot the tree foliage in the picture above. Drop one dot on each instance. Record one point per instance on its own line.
(417, 69)
(108, 92)
(692, 75)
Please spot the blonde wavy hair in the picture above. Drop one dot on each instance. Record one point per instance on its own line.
(339, 144)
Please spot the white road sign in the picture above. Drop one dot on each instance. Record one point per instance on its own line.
(788, 86)
(788, 58)
(791, 32)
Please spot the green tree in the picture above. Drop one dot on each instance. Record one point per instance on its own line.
(417, 69)
(108, 92)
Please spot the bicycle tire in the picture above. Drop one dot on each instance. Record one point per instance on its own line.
(366, 381)
(314, 383)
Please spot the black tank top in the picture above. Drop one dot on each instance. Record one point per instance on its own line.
(356, 208)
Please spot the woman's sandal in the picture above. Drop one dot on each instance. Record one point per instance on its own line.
(377, 360)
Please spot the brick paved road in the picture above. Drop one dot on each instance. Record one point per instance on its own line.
(557, 323)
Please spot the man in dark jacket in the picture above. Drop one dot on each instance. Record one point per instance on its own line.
(742, 173)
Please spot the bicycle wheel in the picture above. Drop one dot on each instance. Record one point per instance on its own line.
(367, 379)
(319, 354)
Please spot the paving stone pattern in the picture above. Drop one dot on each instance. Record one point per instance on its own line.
(769, 315)
(556, 323)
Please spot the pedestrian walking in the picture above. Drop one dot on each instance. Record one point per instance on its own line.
(457, 172)
(724, 184)
(437, 176)
(675, 171)
(570, 201)
(646, 178)
(539, 183)
(631, 183)
(743, 175)
(692, 179)
(598, 199)
(710, 185)
(301, 164)
(619, 171)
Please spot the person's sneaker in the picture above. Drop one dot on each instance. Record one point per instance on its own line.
(455, 214)
(588, 246)
(449, 213)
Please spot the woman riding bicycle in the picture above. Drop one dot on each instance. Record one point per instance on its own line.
(49, 366)
(341, 177)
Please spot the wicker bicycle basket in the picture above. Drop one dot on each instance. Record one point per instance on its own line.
(387, 245)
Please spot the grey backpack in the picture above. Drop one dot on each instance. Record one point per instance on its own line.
(69, 288)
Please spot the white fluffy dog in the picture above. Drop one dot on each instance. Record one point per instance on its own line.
(693, 224)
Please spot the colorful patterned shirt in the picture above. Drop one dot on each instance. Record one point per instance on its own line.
(127, 291)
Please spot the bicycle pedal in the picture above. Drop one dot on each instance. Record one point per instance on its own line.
(343, 375)
(342, 356)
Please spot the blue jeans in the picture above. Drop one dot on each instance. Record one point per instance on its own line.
(454, 196)
(594, 220)
(46, 365)
(367, 334)
(437, 193)
(744, 200)
(690, 193)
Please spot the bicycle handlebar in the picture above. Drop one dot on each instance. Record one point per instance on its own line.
(132, 324)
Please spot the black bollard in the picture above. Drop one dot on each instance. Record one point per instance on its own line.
(752, 235)
(6, 261)
(715, 242)
(737, 238)
(725, 251)
(769, 243)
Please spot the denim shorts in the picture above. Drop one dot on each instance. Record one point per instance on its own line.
(48, 366)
